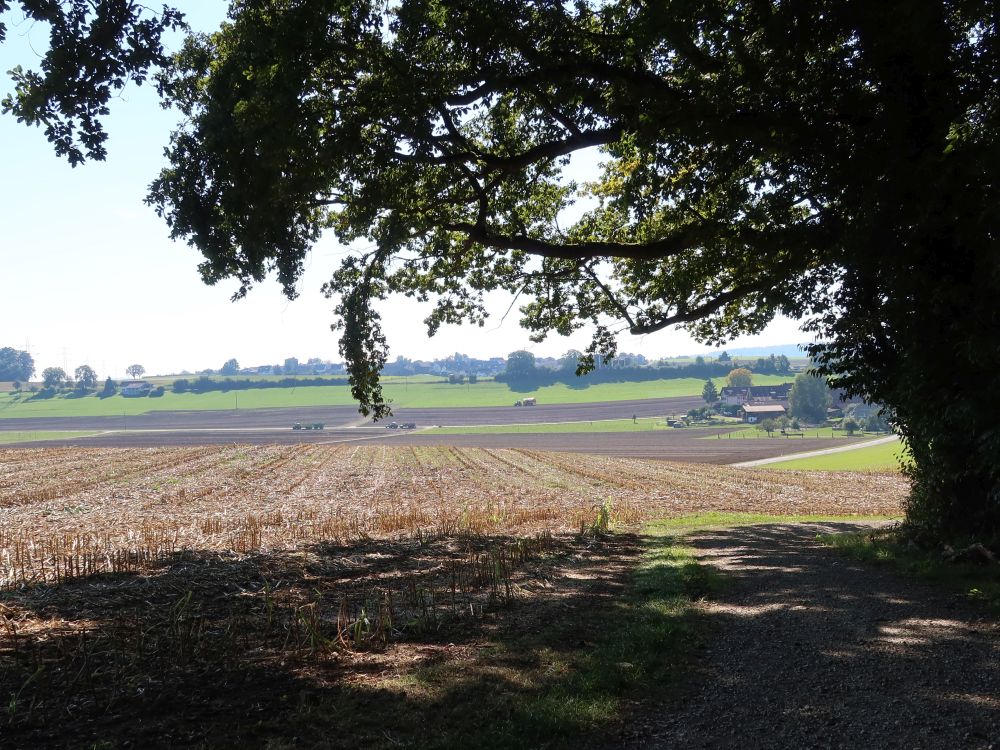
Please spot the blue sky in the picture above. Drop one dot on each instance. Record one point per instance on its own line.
(88, 274)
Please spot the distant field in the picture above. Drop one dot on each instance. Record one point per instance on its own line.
(6, 438)
(598, 425)
(885, 457)
(404, 393)
(751, 433)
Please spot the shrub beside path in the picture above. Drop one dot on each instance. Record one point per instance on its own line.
(811, 649)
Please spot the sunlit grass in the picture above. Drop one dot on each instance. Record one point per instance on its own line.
(7, 437)
(883, 457)
(890, 548)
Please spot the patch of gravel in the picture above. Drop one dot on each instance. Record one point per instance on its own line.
(811, 649)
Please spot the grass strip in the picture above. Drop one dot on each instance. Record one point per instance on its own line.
(888, 548)
(7, 438)
(410, 394)
(567, 671)
(756, 433)
(578, 681)
(883, 457)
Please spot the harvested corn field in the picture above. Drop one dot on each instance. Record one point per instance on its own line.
(71, 512)
(218, 596)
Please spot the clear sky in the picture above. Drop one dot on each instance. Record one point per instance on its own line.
(88, 274)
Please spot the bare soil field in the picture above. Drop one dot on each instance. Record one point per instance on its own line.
(197, 596)
(666, 445)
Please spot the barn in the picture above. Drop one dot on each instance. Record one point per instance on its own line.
(758, 412)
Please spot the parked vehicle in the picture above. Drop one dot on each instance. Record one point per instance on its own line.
(408, 426)
(526, 402)
(392, 426)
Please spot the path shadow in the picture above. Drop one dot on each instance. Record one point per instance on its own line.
(816, 650)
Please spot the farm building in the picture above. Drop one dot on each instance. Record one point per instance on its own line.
(758, 412)
(751, 394)
(136, 388)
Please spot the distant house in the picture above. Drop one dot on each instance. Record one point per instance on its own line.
(753, 413)
(135, 388)
(752, 394)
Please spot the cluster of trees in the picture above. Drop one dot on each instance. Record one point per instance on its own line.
(772, 365)
(522, 371)
(730, 194)
(16, 365)
(291, 366)
(204, 384)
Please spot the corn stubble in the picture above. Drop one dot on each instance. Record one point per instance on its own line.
(122, 570)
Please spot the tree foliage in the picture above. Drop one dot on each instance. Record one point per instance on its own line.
(231, 367)
(809, 398)
(135, 371)
(710, 393)
(16, 364)
(95, 48)
(739, 377)
(520, 366)
(110, 388)
(86, 378)
(54, 377)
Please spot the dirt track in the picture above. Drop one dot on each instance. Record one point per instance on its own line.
(343, 425)
(816, 650)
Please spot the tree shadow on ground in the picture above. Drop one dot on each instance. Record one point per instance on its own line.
(378, 643)
(817, 650)
(266, 650)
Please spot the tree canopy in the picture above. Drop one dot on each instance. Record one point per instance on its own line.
(16, 364)
(809, 398)
(54, 377)
(738, 377)
(832, 161)
(86, 378)
(710, 393)
(95, 48)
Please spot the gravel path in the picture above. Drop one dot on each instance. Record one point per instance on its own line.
(810, 649)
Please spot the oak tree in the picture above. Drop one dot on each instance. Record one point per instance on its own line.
(831, 161)
(95, 48)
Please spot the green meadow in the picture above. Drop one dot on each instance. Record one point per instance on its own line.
(884, 457)
(8, 438)
(416, 392)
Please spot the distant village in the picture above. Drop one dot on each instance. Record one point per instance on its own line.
(462, 364)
